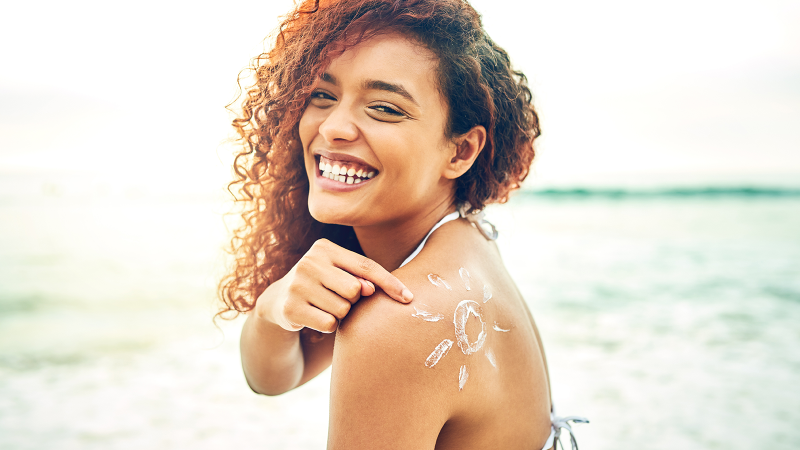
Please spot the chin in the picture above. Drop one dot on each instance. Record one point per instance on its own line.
(329, 212)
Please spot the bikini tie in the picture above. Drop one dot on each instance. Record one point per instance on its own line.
(486, 228)
(559, 423)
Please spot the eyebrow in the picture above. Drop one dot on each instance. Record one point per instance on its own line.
(379, 85)
(376, 85)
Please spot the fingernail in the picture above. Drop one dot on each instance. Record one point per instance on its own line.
(407, 295)
(371, 285)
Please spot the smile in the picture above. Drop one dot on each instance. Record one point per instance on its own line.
(347, 172)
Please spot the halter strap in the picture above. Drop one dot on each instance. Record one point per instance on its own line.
(452, 216)
(477, 219)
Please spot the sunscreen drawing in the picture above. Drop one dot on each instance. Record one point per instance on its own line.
(487, 293)
(460, 318)
(464, 277)
(463, 374)
(437, 281)
(425, 315)
(490, 356)
(437, 354)
(500, 329)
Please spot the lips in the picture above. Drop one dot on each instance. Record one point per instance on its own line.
(348, 172)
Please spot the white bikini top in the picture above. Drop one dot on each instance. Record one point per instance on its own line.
(476, 219)
(490, 232)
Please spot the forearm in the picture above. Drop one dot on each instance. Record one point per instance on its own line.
(272, 357)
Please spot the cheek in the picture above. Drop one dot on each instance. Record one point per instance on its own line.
(307, 129)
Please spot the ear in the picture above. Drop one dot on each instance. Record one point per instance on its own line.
(464, 151)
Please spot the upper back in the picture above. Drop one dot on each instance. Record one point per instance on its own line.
(459, 367)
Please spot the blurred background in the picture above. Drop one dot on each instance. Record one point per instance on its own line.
(657, 240)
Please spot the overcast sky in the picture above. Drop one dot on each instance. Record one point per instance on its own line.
(627, 90)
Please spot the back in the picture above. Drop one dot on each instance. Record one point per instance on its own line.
(460, 367)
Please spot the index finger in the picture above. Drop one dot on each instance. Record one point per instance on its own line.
(365, 268)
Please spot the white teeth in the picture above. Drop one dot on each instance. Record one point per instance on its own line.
(344, 174)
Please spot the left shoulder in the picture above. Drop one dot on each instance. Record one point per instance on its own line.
(385, 390)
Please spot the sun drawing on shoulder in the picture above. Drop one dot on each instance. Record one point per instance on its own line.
(461, 316)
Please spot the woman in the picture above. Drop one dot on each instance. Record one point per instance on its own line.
(375, 133)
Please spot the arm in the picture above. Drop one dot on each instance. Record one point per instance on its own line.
(275, 360)
(316, 293)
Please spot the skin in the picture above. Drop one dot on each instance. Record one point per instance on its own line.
(382, 395)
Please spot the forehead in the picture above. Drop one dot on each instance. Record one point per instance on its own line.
(392, 58)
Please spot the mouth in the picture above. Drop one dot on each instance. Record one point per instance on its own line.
(345, 172)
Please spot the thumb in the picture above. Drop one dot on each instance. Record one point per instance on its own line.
(367, 288)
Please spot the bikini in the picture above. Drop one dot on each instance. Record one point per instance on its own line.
(557, 424)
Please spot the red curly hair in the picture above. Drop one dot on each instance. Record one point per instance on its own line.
(474, 77)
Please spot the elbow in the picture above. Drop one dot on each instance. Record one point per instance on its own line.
(266, 388)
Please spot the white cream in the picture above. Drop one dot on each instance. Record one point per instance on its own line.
(437, 281)
(460, 318)
(425, 315)
(463, 374)
(487, 293)
(438, 353)
(490, 357)
(498, 328)
(464, 277)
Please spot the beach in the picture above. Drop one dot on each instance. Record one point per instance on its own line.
(669, 319)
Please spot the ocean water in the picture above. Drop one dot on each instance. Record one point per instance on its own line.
(670, 319)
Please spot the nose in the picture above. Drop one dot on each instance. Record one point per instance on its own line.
(339, 126)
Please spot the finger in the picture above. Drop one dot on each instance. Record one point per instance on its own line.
(365, 268)
(341, 283)
(332, 304)
(317, 319)
(367, 288)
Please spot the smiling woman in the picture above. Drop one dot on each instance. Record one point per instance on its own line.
(375, 134)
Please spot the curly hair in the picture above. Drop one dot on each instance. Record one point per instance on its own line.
(474, 77)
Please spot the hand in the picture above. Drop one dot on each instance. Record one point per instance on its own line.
(322, 287)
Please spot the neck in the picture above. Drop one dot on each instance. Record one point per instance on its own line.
(390, 243)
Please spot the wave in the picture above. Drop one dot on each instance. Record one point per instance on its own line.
(742, 191)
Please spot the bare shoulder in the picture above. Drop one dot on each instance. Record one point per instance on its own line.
(449, 312)
(379, 331)
(464, 351)
(395, 380)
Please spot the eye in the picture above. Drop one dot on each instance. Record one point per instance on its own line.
(321, 98)
(386, 113)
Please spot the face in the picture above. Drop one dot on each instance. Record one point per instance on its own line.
(373, 136)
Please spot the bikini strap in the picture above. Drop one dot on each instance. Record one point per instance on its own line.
(452, 216)
(559, 423)
(487, 229)
(477, 219)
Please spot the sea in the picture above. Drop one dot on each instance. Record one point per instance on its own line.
(670, 317)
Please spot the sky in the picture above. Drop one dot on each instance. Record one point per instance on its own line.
(628, 92)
